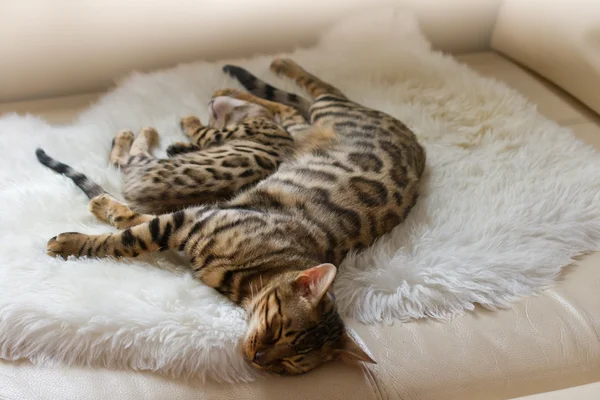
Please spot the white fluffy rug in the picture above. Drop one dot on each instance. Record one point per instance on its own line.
(508, 200)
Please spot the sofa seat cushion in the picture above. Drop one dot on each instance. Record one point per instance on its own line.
(543, 343)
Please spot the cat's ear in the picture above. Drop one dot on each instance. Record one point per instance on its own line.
(352, 350)
(223, 105)
(314, 282)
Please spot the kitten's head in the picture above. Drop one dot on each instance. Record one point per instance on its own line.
(226, 111)
(294, 326)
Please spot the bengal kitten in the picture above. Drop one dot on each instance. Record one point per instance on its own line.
(243, 143)
(272, 248)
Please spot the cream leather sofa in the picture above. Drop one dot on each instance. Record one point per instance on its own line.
(58, 56)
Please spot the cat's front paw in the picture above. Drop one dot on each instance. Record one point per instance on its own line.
(190, 123)
(181, 148)
(66, 244)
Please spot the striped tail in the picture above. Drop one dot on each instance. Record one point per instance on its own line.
(90, 188)
(262, 89)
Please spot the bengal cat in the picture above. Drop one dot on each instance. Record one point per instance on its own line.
(243, 143)
(272, 248)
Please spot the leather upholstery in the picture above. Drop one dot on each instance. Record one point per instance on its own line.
(584, 392)
(559, 40)
(64, 47)
(544, 343)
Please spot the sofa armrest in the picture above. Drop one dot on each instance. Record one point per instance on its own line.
(560, 40)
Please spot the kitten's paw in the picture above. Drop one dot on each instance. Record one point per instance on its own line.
(98, 206)
(123, 139)
(121, 144)
(151, 136)
(181, 148)
(189, 124)
(225, 92)
(65, 245)
(283, 66)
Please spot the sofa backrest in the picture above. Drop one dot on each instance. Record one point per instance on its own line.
(64, 47)
(559, 39)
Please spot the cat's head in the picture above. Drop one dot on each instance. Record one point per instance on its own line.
(226, 111)
(294, 326)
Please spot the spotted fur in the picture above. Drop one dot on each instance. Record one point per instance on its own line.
(244, 143)
(273, 248)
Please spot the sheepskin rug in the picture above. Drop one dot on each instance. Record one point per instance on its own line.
(508, 199)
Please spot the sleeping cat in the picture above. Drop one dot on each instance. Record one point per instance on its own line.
(273, 248)
(243, 143)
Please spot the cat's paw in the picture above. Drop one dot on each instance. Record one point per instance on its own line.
(123, 139)
(65, 245)
(151, 136)
(283, 66)
(99, 207)
(181, 148)
(225, 92)
(189, 124)
(121, 145)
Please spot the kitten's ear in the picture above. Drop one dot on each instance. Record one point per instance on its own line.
(314, 283)
(224, 105)
(352, 350)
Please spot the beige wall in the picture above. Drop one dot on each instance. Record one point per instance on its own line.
(59, 47)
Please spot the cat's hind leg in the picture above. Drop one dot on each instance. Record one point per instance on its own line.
(168, 231)
(127, 149)
(144, 142)
(284, 111)
(263, 90)
(121, 145)
(314, 86)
